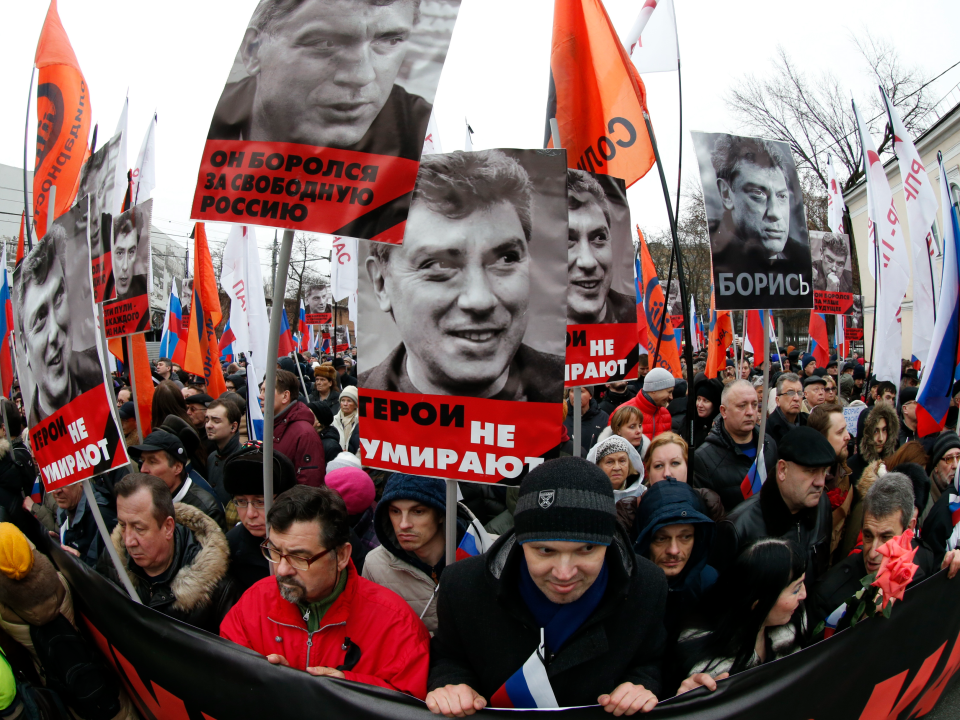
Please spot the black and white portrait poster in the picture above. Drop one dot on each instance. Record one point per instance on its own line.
(758, 230)
(318, 303)
(853, 321)
(322, 119)
(343, 339)
(462, 328)
(98, 181)
(130, 258)
(73, 432)
(832, 272)
(601, 299)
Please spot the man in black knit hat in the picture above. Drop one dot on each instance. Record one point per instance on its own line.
(538, 620)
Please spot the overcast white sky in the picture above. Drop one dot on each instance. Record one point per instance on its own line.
(174, 57)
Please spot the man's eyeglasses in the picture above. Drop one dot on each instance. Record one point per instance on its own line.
(789, 393)
(244, 504)
(295, 561)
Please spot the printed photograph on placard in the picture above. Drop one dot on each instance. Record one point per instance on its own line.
(832, 272)
(318, 303)
(73, 433)
(330, 100)
(130, 254)
(758, 230)
(853, 320)
(98, 182)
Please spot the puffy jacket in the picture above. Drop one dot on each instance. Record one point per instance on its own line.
(655, 419)
(195, 589)
(192, 493)
(393, 644)
(720, 465)
(294, 436)
(766, 515)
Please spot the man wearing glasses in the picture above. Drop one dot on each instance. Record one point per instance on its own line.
(316, 614)
(787, 415)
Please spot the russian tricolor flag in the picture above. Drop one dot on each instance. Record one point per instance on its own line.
(254, 411)
(833, 619)
(286, 345)
(941, 367)
(528, 687)
(755, 478)
(226, 344)
(302, 329)
(475, 541)
(172, 324)
(819, 340)
(6, 327)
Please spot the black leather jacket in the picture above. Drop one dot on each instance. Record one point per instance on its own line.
(721, 466)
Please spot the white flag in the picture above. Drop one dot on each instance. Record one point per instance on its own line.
(343, 273)
(886, 240)
(145, 171)
(694, 338)
(922, 206)
(468, 143)
(431, 142)
(241, 280)
(120, 183)
(834, 200)
(652, 40)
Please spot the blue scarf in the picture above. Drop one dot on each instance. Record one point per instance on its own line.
(559, 622)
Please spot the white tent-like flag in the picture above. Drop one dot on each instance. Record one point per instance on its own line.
(242, 281)
(120, 182)
(834, 200)
(652, 39)
(694, 338)
(431, 141)
(343, 271)
(891, 258)
(145, 171)
(922, 206)
(468, 141)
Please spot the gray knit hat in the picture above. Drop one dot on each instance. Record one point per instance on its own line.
(658, 379)
(566, 500)
(612, 444)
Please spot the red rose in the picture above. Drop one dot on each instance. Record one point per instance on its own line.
(897, 568)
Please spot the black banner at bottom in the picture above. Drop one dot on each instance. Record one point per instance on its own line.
(880, 670)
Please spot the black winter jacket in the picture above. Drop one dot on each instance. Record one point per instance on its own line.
(215, 462)
(778, 425)
(612, 400)
(247, 563)
(938, 527)
(486, 632)
(721, 466)
(17, 473)
(766, 515)
(201, 499)
(592, 423)
(330, 438)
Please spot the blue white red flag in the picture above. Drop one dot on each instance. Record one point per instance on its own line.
(819, 340)
(172, 324)
(304, 344)
(254, 411)
(226, 344)
(941, 366)
(528, 687)
(753, 336)
(833, 619)
(36, 493)
(755, 478)
(286, 345)
(6, 328)
(475, 541)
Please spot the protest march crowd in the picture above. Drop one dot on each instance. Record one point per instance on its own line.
(635, 576)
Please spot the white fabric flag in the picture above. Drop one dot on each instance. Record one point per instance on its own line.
(922, 206)
(431, 142)
(694, 338)
(652, 40)
(886, 239)
(352, 309)
(145, 171)
(120, 183)
(242, 281)
(468, 143)
(834, 200)
(343, 270)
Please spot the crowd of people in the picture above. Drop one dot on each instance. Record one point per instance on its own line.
(622, 570)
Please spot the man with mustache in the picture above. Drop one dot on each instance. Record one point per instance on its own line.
(458, 288)
(61, 373)
(316, 614)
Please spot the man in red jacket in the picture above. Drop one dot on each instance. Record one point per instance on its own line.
(316, 614)
(653, 400)
(293, 432)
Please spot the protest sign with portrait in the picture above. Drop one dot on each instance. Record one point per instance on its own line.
(461, 329)
(343, 339)
(758, 230)
(318, 303)
(98, 182)
(73, 432)
(832, 272)
(130, 259)
(601, 300)
(853, 322)
(322, 120)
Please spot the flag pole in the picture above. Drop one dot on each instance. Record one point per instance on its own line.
(766, 382)
(450, 528)
(680, 150)
(26, 134)
(108, 542)
(663, 316)
(270, 377)
(688, 349)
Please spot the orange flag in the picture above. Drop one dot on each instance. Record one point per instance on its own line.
(654, 307)
(203, 352)
(721, 337)
(19, 257)
(142, 380)
(63, 121)
(596, 95)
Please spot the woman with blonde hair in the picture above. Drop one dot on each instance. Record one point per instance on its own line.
(666, 457)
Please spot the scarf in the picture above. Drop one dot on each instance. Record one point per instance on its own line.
(313, 612)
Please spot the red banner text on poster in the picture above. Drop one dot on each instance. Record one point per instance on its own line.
(317, 318)
(342, 348)
(853, 334)
(300, 187)
(78, 441)
(598, 354)
(832, 303)
(454, 437)
(126, 317)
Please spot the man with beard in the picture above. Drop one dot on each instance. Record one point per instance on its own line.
(590, 257)
(370, 635)
(43, 309)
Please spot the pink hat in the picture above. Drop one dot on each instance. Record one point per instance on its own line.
(355, 487)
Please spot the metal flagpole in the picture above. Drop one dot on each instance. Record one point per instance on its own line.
(450, 528)
(296, 361)
(270, 378)
(766, 381)
(663, 316)
(26, 134)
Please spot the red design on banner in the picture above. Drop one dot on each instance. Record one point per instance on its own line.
(853, 334)
(126, 317)
(288, 185)
(317, 318)
(393, 235)
(832, 303)
(78, 441)
(457, 438)
(598, 354)
(342, 348)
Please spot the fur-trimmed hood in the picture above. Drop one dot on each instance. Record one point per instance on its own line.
(201, 570)
(878, 412)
